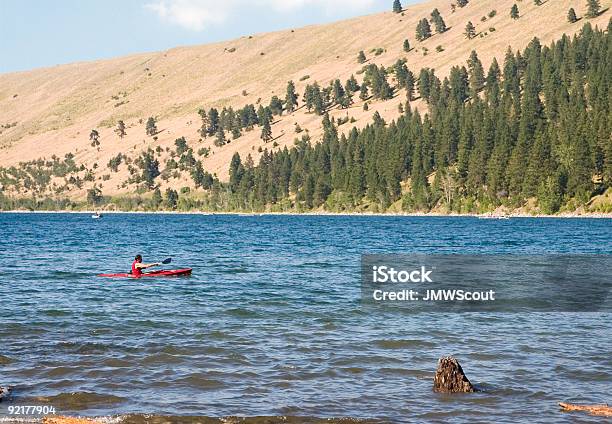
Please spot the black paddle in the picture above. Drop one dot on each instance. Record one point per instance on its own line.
(166, 261)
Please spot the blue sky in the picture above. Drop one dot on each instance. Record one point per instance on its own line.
(38, 33)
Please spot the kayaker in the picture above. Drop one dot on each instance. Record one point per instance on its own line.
(138, 266)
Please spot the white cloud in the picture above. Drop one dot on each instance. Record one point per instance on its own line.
(328, 6)
(196, 15)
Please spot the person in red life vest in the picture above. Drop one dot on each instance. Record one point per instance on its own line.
(138, 266)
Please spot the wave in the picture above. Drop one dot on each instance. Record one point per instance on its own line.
(173, 419)
(240, 270)
(84, 348)
(62, 275)
(55, 313)
(404, 344)
(242, 313)
(76, 401)
(60, 371)
(199, 381)
(162, 358)
(317, 265)
(407, 372)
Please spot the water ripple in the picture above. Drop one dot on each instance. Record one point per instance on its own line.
(271, 323)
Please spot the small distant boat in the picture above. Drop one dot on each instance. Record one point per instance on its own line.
(491, 216)
(97, 215)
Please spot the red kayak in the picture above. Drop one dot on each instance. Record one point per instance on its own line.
(162, 273)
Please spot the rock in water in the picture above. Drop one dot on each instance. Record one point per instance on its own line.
(450, 378)
(4, 392)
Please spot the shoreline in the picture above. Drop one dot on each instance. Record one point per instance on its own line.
(574, 215)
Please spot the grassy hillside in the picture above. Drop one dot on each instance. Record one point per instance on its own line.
(52, 111)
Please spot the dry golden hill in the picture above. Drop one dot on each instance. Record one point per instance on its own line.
(54, 109)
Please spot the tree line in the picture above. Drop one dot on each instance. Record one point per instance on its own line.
(536, 127)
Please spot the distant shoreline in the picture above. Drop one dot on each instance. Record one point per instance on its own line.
(591, 215)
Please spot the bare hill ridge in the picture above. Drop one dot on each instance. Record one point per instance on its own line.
(54, 109)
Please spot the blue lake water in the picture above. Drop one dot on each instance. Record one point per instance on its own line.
(271, 323)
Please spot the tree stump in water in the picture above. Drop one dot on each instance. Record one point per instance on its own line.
(450, 378)
(597, 410)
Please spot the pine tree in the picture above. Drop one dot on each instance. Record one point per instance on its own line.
(377, 79)
(346, 100)
(151, 127)
(462, 3)
(410, 85)
(363, 91)
(309, 97)
(120, 129)
(356, 173)
(322, 190)
(319, 100)
(537, 2)
(476, 73)
(94, 196)
(470, 30)
(511, 76)
(361, 57)
(291, 97)
(406, 45)
(514, 11)
(458, 84)
(571, 15)
(205, 123)
(423, 84)
(276, 106)
(220, 137)
(492, 89)
(181, 146)
(549, 195)
(149, 166)
(351, 84)
(213, 122)
(236, 172)
(593, 8)
(423, 30)
(227, 117)
(262, 114)
(247, 116)
(338, 92)
(266, 130)
(200, 177)
(438, 22)
(156, 199)
(397, 6)
(401, 73)
(171, 198)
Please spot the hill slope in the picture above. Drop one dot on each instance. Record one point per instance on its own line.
(51, 111)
